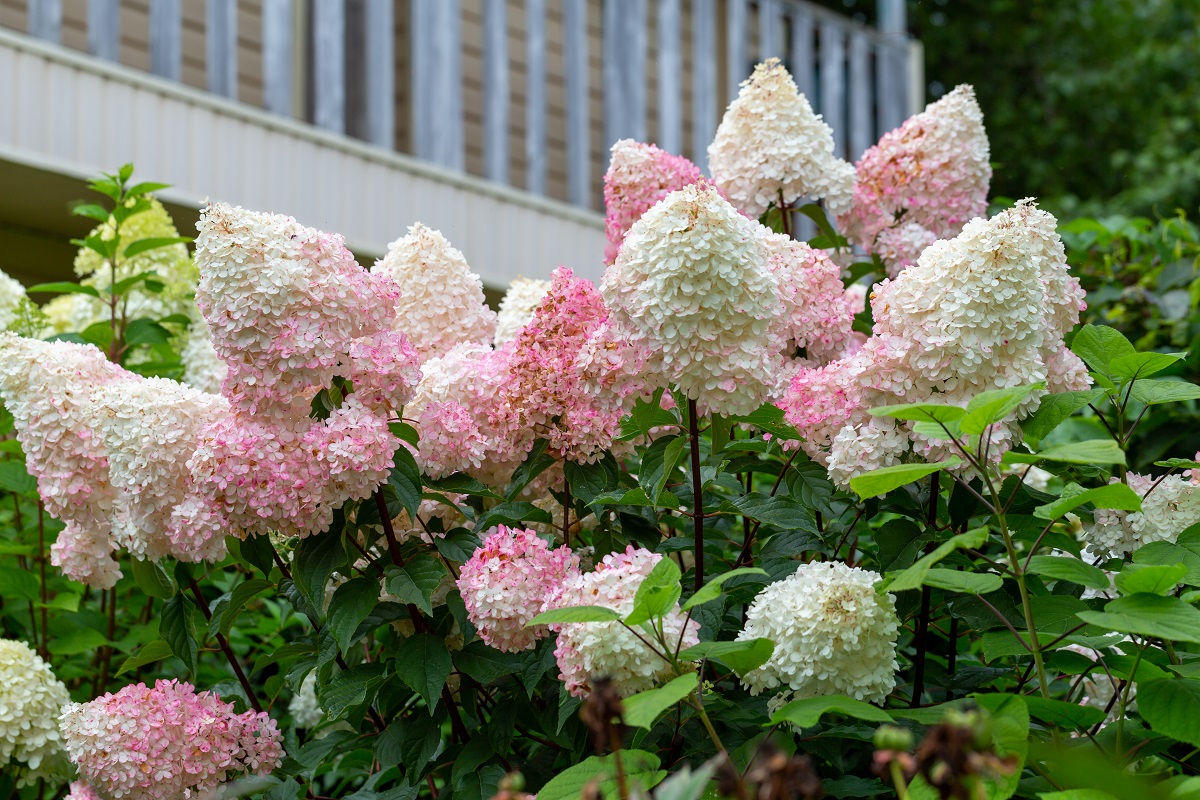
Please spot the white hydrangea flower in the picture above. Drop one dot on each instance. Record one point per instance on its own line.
(692, 294)
(11, 295)
(1171, 508)
(770, 142)
(31, 698)
(878, 443)
(833, 634)
(587, 651)
(517, 307)
(303, 707)
(150, 427)
(441, 300)
(202, 368)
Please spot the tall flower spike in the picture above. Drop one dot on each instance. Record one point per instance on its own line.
(150, 427)
(30, 700)
(922, 181)
(985, 310)
(817, 315)
(770, 143)
(286, 305)
(543, 395)
(506, 582)
(638, 176)
(516, 308)
(693, 298)
(590, 650)
(1168, 510)
(166, 743)
(12, 293)
(47, 387)
(833, 634)
(441, 301)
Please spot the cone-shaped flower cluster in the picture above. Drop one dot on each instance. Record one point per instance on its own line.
(590, 650)
(833, 634)
(507, 582)
(30, 701)
(985, 310)
(167, 742)
(771, 148)
(922, 182)
(693, 301)
(516, 308)
(289, 309)
(816, 314)
(47, 386)
(12, 295)
(1169, 507)
(638, 176)
(441, 300)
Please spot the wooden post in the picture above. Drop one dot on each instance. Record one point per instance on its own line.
(801, 51)
(624, 70)
(437, 114)
(495, 90)
(166, 38)
(704, 79)
(770, 30)
(535, 96)
(670, 77)
(860, 95)
(833, 91)
(380, 77)
(575, 55)
(45, 20)
(737, 68)
(220, 47)
(104, 29)
(277, 55)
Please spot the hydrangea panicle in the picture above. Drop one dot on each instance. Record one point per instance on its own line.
(693, 302)
(543, 394)
(30, 700)
(771, 147)
(1169, 507)
(817, 315)
(166, 743)
(507, 582)
(638, 176)
(47, 386)
(516, 308)
(441, 300)
(590, 650)
(833, 634)
(921, 182)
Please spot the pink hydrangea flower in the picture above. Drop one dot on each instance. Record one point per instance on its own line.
(929, 177)
(544, 394)
(987, 309)
(638, 176)
(817, 315)
(166, 743)
(47, 386)
(507, 581)
(81, 791)
(590, 650)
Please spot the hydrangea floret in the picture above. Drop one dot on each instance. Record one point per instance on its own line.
(506, 583)
(833, 634)
(441, 301)
(590, 650)
(771, 148)
(30, 700)
(166, 742)
(638, 176)
(1170, 505)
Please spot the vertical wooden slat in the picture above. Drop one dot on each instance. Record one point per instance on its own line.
(575, 63)
(437, 82)
(770, 30)
(670, 86)
(166, 38)
(329, 65)
(670, 77)
(104, 31)
(535, 96)
(277, 25)
(220, 47)
(735, 45)
(45, 19)
(624, 70)
(704, 79)
(495, 90)
(833, 92)
(380, 77)
(888, 89)
(800, 56)
(860, 94)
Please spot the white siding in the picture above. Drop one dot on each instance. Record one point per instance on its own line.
(76, 115)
